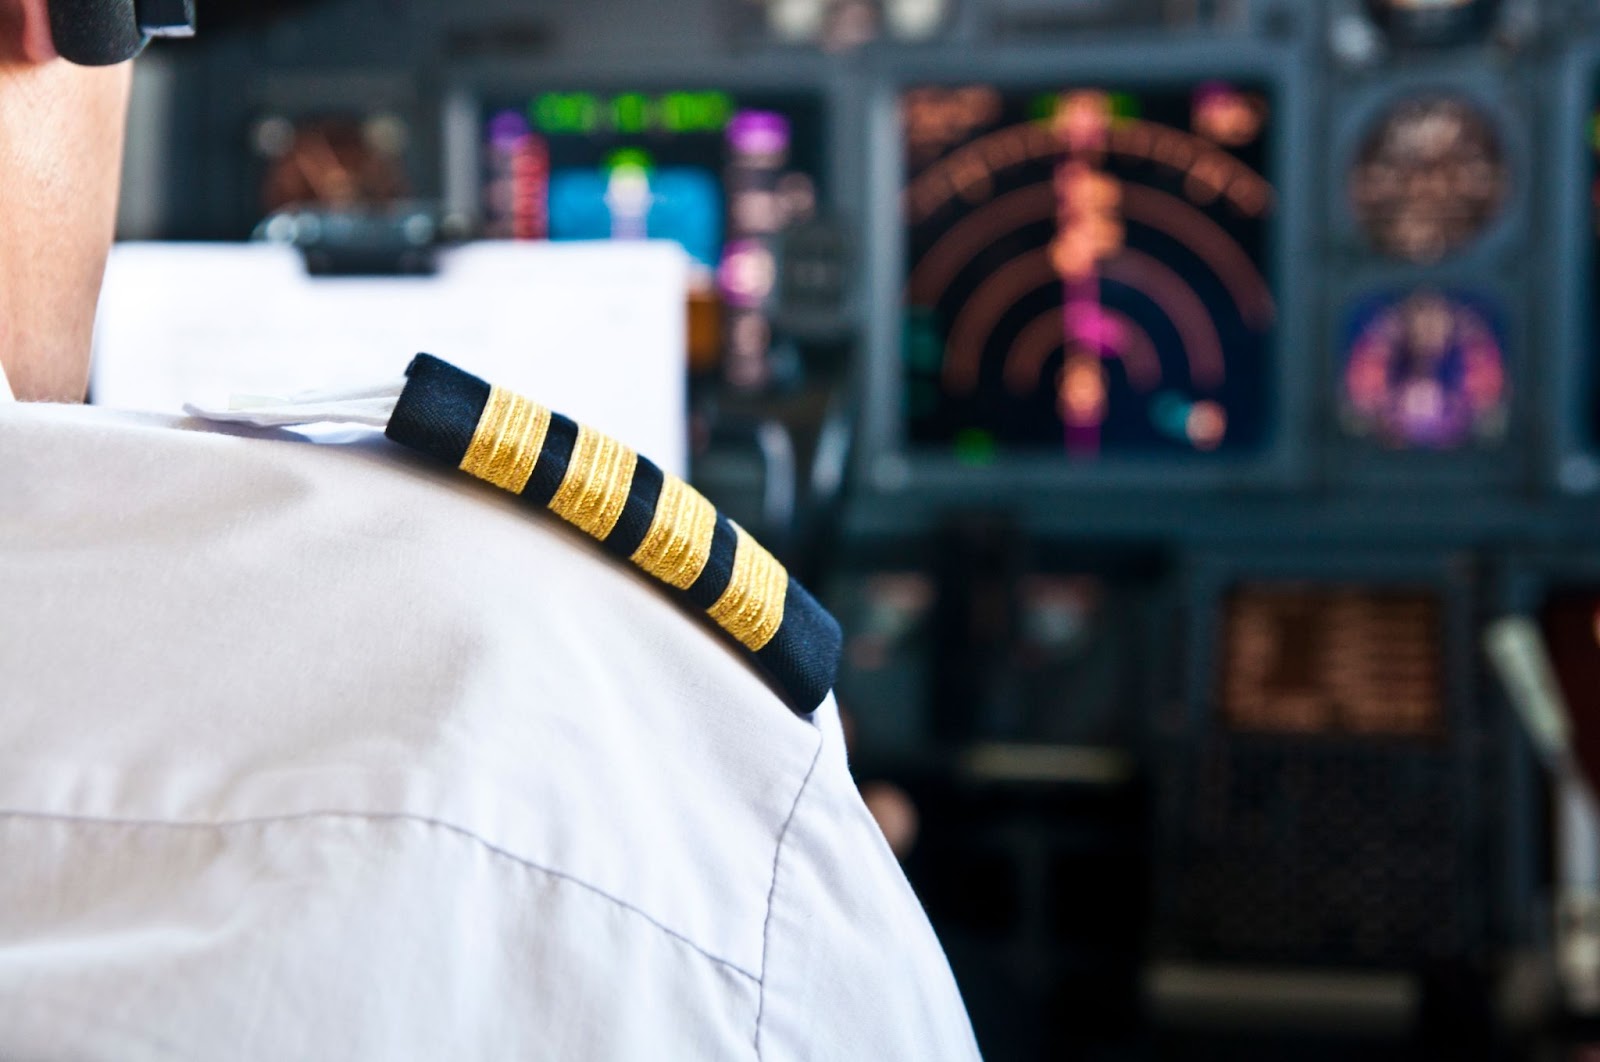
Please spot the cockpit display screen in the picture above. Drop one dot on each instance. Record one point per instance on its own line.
(1087, 270)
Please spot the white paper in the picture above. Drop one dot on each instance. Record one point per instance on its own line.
(592, 330)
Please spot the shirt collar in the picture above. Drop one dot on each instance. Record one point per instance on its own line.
(5, 388)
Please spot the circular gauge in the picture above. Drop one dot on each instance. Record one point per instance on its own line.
(1430, 178)
(332, 162)
(1425, 370)
(1433, 21)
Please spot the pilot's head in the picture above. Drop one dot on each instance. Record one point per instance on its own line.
(60, 157)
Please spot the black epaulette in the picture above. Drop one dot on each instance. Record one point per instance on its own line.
(665, 527)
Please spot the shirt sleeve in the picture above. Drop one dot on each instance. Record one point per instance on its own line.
(851, 968)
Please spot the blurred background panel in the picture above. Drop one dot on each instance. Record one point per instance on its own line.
(1171, 397)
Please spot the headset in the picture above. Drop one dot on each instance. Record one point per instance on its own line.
(106, 32)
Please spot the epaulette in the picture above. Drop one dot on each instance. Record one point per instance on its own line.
(665, 527)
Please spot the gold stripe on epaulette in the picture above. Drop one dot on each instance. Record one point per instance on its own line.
(678, 544)
(751, 608)
(506, 443)
(595, 489)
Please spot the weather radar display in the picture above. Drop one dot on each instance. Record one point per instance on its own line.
(1086, 270)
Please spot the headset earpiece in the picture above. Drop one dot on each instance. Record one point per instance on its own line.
(96, 32)
(106, 32)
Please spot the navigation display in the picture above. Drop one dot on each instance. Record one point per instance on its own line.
(1086, 270)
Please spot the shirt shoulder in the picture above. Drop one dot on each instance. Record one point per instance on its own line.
(231, 628)
(852, 966)
(284, 698)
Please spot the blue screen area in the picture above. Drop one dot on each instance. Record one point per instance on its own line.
(684, 204)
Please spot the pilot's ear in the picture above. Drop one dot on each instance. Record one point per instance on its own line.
(25, 32)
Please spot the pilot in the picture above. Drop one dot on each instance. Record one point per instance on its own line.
(341, 752)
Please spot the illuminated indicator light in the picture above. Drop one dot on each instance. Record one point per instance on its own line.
(1594, 626)
(585, 112)
(1124, 106)
(1117, 106)
(676, 111)
(1367, 380)
(1485, 380)
(760, 133)
(1206, 424)
(628, 199)
(631, 112)
(507, 128)
(1083, 119)
(974, 447)
(921, 347)
(631, 159)
(1089, 225)
(1423, 401)
(747, 274)
(545, 112)
(1169, 412)
(1082, 394)
(566, 112)
(1226, 116)
(696, 112)
(717, 109)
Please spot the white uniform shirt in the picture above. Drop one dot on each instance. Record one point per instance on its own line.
(316, 752)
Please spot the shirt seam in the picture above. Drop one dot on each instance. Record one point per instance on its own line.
(772, 890)
(450, 827)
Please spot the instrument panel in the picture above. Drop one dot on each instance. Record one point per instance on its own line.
(1130, 250)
